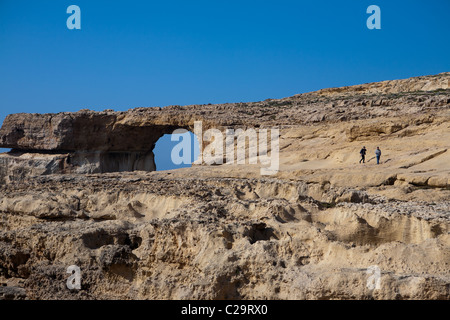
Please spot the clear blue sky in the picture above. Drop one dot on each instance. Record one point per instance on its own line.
(155, 53)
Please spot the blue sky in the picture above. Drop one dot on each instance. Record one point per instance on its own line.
(155, 53)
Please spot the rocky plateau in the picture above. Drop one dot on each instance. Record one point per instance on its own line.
(82, 189)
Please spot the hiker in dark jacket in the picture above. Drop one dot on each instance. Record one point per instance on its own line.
(378, 154)
(363, 155)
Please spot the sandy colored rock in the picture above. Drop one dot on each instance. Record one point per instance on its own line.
(313, 230)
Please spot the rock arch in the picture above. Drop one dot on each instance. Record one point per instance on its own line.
(82, 142)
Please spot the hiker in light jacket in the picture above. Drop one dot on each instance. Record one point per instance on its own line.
(378, 154)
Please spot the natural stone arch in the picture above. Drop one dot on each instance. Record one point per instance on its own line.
(84, 142)
(126, 148)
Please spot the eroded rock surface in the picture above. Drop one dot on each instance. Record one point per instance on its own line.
(94, 142)
(312, 231)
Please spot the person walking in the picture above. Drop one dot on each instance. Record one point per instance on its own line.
(363, 155)
(378, 154)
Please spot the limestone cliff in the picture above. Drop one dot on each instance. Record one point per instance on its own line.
(80, 189)
(96, 142)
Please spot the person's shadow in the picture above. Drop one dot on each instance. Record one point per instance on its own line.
(385, 161)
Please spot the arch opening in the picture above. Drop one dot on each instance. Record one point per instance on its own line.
(176, 150)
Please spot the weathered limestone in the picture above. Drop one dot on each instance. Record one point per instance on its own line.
(84, 142)
(311, 231)
(154, 236)
(134, 133)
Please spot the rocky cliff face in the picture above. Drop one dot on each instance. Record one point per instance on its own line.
(96, 142)
(80, 189)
